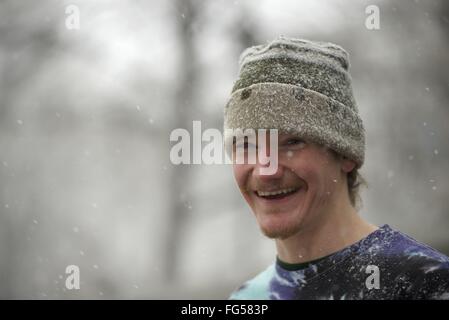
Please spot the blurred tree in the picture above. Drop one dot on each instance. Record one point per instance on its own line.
(184, 110)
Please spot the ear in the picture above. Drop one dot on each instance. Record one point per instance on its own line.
(347, 165)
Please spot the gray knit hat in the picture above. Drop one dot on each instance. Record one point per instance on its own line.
(300, 87)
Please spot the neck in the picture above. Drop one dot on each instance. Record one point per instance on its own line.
(338, 228)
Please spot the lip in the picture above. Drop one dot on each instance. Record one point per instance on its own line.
(278, 200)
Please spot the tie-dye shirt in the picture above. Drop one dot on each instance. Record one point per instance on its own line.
(387, 264)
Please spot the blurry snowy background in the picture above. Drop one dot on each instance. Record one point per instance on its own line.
(85, 118)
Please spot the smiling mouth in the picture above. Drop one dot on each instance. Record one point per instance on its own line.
(276, 194)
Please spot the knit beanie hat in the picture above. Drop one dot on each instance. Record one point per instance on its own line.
(299, 87)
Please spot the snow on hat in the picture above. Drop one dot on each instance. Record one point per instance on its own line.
(299, 87)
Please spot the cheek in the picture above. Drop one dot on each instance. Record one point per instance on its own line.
(317, 176)
(241, 174)
(325, 181)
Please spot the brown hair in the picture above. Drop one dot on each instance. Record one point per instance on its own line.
(354, 181)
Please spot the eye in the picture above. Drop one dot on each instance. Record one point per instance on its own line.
(246, 145)
(295, 143)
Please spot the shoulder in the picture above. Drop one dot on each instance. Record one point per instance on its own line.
(257, 288)
(416, 253)
(422, 271)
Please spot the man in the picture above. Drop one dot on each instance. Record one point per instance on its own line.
(308, 205)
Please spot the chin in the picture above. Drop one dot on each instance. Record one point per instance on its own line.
(274, 228)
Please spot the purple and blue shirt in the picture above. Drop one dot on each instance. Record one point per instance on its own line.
(387, 264)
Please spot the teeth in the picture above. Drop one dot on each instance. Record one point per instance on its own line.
(273, 193)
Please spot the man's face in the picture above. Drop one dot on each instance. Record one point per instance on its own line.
(306, 183)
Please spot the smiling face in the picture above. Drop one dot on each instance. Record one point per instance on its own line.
(308, 182)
